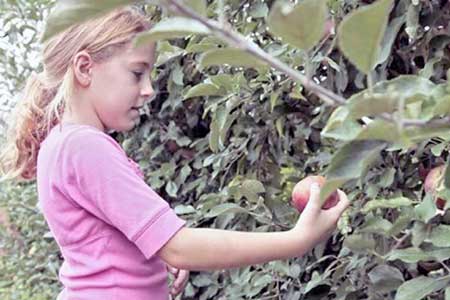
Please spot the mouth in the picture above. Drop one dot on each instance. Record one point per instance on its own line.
(140, 109)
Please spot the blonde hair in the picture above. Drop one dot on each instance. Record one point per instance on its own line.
(46, 95)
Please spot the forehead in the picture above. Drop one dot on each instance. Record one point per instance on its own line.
(144, 53)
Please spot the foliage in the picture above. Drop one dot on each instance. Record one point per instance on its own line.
(20, 24)
(29, 257)
(226, 139)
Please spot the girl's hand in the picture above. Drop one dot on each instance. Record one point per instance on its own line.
(316, 223)
(181, 278)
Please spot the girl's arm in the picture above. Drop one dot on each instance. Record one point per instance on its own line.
(212, 249)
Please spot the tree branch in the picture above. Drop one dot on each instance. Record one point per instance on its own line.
(235, 39)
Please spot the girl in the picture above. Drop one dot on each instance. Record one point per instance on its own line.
(117, 236)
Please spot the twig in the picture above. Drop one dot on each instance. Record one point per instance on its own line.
(401, 240)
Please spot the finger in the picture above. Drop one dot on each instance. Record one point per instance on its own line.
(181, 280)
(314, 198)
(186, 280)
(172, 270)
(174, 292)
(343, 203)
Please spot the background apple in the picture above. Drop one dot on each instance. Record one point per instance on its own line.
(301, 191)
(432, 182)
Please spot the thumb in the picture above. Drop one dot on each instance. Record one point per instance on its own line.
(343, 203)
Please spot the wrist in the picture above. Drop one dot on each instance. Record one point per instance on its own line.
(303, 239)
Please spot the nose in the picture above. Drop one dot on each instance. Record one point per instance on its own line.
(147, 88)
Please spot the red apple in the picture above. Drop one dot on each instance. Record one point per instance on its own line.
(300, 193)
(432, 181)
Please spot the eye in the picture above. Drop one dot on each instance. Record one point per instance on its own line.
(138, 75)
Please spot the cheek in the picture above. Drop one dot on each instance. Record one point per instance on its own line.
(115, 86)
(102, 82)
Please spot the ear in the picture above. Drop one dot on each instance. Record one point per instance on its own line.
(82, 67)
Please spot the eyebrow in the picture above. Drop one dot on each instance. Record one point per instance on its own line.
(145, 64)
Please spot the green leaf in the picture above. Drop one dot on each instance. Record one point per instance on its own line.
(447, 174)
(389, 38)
(441, 100)
(366, 104)
(170, 28)
(166, 52)
(316, 280)
(172, 189)
(440, 236)
(221, 123)
(203, 280)
(70, 12)
(226, 81)
(385, 95)
(385, 278)
(440, 254)
(419, 233)
(428, 69)
(414, 255)
(279, 124)
(426, 209)
(386, 203)
(259, 10)
(274, 99)
(230, 56)
(387, 177)
(208, 42)
(418, 134)
(359, 243)
(199, 6)
(184, 209)
(225, 208)
(376, 225)
(418, 288)
(383, 131)
(412, 21)
(301, 25)
(214, 132)
(184, 173)
(340, 126)
(204, 89)
(408, 255)
(251, 189)
(350, 162)
(402, 221)
(361, 32)
(438, 148)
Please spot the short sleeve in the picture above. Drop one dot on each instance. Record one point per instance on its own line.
(102, 179)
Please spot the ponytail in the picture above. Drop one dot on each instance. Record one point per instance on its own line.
(28, 125)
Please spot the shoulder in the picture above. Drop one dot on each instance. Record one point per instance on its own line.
(91, 137)
(89, 141)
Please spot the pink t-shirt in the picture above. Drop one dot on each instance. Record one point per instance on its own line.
(107, 221)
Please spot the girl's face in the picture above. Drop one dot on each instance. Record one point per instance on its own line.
(117, 87)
